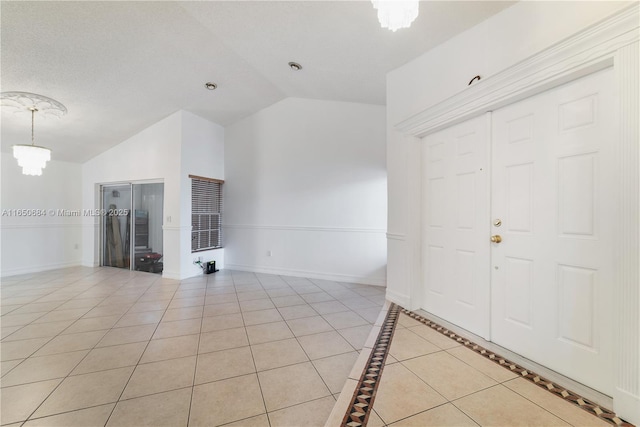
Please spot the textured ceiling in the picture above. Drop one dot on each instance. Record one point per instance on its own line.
(119, 67)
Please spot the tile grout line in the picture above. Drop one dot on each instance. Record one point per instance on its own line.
(52, 338)
(309, 360)
(253, 359)
(361, 404)
(566, 395)
(195, 368)
(306, 303)
(333, 330)
(76, 365)
(44, 314)
(143, 351)
(130, 290)
(451, 402)
(561, 417)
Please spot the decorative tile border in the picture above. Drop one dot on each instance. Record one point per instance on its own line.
(362, 401)
(571, 397)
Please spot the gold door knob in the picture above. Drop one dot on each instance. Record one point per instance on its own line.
(496, 238)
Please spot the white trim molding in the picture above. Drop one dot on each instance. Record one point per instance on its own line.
(176, 227)
(396, 236)
(304, 228)
(627, 250)
(590, 50)
(613, 42)
(37, 268)
(400, 299)
(375, 281)
(175, 275)
(40, 225)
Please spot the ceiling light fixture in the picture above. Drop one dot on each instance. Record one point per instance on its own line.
(396, 14)
(211, 86)
(295, 66)
(32, 158)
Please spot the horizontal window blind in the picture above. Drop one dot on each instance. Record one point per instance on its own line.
(206, 214)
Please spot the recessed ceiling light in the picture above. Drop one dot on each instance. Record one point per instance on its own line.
(295, 66)
(211, 86)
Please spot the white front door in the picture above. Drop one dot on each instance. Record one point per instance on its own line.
(455, 195)
(544, 291)
(553, 187)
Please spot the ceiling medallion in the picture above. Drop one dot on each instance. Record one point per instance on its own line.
(23, 102)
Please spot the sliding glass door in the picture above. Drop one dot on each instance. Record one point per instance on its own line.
(147, 201)
(116, 227)
(132, 226)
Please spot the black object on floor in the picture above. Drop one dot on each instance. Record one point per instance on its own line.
(211, 267)
(149, 262)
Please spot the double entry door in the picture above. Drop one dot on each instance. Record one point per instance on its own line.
(519, 208)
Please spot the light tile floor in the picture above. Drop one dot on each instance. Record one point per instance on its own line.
(109, 347)
(431, 380)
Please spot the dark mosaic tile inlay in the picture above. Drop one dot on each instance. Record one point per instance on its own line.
(362, 400)
(574, 398)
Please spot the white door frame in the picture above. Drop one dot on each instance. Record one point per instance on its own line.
(613, 42)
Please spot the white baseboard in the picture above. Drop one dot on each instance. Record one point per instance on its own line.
(37, 268)
(375, 281)
(175, 275)
(92, 264)
(626, 406)
(400, 299)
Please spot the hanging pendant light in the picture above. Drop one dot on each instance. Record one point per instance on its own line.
(396, 14)
(32, 158)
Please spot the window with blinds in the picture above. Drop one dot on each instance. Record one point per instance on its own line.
(206, 213)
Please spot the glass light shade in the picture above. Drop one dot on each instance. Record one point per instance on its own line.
(31, 158)
(396, 14)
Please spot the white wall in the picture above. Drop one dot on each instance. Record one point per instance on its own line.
(153, 154)
(495, 44)
(306, 180)
(169, 150)
(508, 37)
(202, 155)
(31, 244)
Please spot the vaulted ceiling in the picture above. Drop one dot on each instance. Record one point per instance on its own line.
(121, 66)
